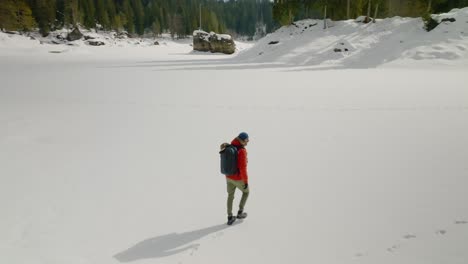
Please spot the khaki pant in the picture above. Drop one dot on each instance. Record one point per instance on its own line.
(231, 189)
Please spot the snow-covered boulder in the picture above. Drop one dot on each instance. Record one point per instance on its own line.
(363, 19)
(122, 35)
(95, 43)
(222, 43)
(60, 37)
(201, 40)
(204, 41)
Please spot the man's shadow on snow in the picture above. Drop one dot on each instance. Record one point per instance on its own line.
(166, 245)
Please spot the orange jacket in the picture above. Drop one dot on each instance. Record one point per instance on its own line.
(241, 163)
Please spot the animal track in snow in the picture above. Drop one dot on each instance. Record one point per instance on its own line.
(360, 255)
(396, 247)
(194, 249)
(439, 232)
(409, 236)
(393, 248)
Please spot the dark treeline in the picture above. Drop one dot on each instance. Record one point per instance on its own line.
(181, 17)
(286, 11)
(138, 17)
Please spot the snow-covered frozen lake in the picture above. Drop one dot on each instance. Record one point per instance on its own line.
(110, 155)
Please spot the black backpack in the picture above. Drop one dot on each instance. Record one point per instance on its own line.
(228, 155)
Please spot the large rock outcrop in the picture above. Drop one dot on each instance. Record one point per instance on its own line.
(74, 35)
(204, 41)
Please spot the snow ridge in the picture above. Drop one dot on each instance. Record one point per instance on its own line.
(350, 44)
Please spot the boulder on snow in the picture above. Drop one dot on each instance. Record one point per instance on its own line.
(340, 50)
(429, 22)
(204, 41)
(448, 19)
(156, 43)
(88, 37)
(342, 47)
(96, 43)
(60, 37)
(273, 42)
(122, 35)
(222, 44)
(363, 19)
(74, 35)
(201, 40)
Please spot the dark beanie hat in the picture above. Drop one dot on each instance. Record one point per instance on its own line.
(243, 136)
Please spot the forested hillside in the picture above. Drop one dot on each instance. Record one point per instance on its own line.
(181, 17)
(287, 11)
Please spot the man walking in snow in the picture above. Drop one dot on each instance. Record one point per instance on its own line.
(239, 180)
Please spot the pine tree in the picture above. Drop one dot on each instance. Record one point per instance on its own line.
(16, 15)
(102, 16)
(69, 9)
(88, 10)
(127, 10)
(284, 11)
(139, 16)
(44, 12)
(119, 22)
(156, 28)
(112, 13)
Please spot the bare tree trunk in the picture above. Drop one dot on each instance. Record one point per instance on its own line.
(74, 9)
(376, 10)
(368, 9)
(390, 8)
(429, 6)
(325, 18)
(347, 9)
(200, 16)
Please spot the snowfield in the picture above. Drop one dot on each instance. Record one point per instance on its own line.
(389, 42)
(110, 154)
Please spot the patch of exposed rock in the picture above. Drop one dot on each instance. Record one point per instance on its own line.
(74, 35)
(204, 41)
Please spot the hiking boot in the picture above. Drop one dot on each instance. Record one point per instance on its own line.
(241, 215)
(231, 220)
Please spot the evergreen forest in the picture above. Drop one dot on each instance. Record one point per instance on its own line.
(287, 11)
(181, 17)
(139, 17)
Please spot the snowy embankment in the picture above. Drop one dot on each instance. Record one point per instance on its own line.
(349, 44)
(116, 47)
(109, 155)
